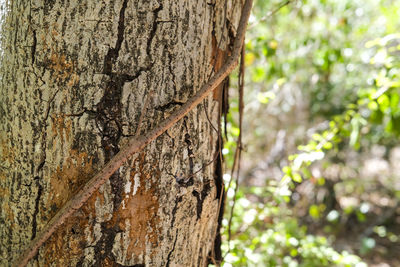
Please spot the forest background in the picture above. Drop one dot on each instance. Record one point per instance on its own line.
(319, 175)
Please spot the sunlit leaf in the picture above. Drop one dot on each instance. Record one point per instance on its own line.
(297, 177)
(314, 211)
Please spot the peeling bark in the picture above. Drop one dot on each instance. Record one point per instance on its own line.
(74, 76)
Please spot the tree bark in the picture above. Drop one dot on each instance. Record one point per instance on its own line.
(75, 78)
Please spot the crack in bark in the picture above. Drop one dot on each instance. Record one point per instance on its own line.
(103, 248)
(37, 200)
(200, 197)
(172, 73)
(212, 4)
(49, 107)
(85, 110)
(169, 105)
(33, 48)
(199, 206)
(179, 199)
(42, 163)
(172, 250)
(109, 110)
(153, 31)
(108, 121)
(165, 21)
(113, 53)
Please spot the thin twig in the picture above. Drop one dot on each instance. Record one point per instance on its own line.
(238, 150)
(270, 13)
(136, 144)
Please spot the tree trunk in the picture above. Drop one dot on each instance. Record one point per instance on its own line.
(75, 80)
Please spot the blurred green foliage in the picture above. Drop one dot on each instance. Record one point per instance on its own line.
(268, 234)
(326, 73)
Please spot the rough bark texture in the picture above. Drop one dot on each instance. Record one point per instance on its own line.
(74, 80)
